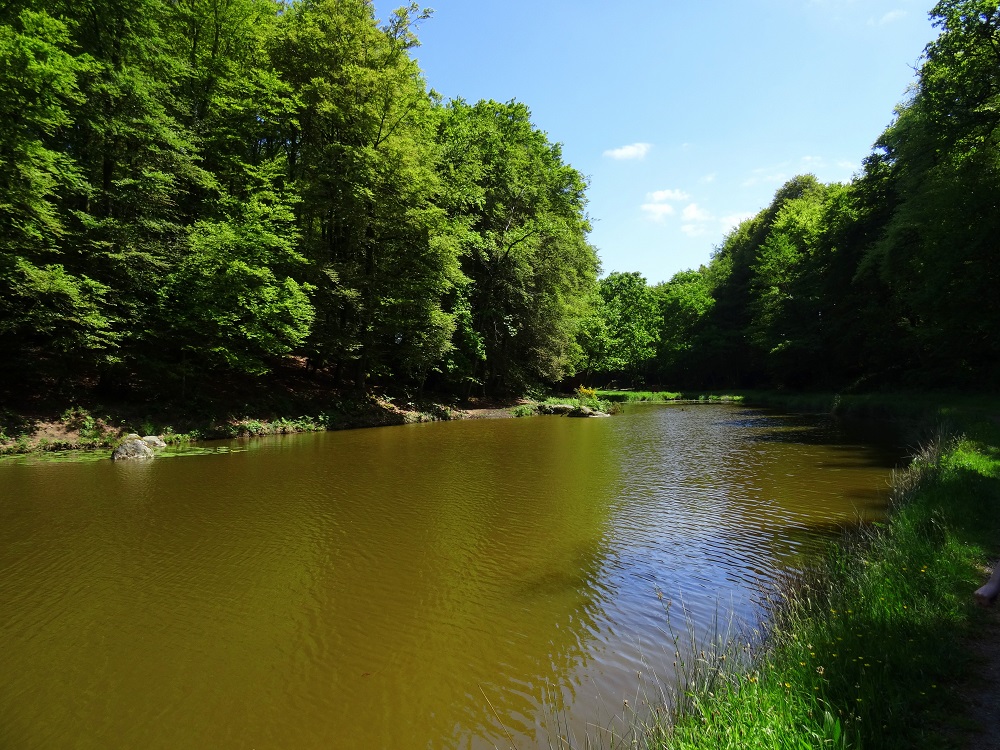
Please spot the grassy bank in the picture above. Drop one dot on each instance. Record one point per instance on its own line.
(926, 408)
(869, 651)
(97, 427)
(635, 397)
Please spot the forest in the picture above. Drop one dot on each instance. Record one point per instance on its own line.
(196, 189)
(888, 281)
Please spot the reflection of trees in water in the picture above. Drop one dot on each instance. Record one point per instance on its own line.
(488, 577)
(723, 502)
(400, 586)
(545, 502)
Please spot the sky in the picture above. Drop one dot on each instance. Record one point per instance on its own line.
(685, 116)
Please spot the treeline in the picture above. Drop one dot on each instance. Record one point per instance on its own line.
(196, 187)
(892, 279)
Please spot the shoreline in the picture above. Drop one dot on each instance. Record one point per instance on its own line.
(783, 678)
(101, 428)
(883, 644)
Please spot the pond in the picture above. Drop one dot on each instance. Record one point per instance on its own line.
(459, 584)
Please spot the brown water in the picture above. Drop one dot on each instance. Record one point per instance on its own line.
(461, 584)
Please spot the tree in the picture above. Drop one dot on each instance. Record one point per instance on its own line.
(682, 303)
(229, 304)
(48, 313)
(361, 154)
(631, 321)
(516, 212)
(939, 250)
(787, 305)
(728, 355)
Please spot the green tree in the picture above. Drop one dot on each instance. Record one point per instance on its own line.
(230, 303)
(682, 303)
(631, 320)
(728, 355)
(938, 253)
(49, 314)
(517, 213)
(361, 153)
(787, 298)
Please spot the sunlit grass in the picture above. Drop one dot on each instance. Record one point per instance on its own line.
(639, 396)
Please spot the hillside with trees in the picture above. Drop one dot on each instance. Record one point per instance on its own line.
(891, 280)
(193, 190)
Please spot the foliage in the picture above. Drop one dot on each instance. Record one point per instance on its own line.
(524, 410)
(683, 304)
(517, 213)
(639, 396)
(629, 312)
(887, 280)
(194, 187)
(208, 187)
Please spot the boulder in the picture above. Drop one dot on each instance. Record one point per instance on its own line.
(555, 408)
(586, 411)
(132, 450)
(154, 441)
(988, 593)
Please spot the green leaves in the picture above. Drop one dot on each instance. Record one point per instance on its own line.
(227, 301)
(632, 323)
(226, 182)
(518, 213)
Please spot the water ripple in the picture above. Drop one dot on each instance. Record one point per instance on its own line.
(440, 585)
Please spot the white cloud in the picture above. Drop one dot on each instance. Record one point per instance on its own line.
(632, 151)
(692, 212)
(709, 178)
(658, 196)
(695, 220)
(657, 211)
(657, 206)
(762, 177)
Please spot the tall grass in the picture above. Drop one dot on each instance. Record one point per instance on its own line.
(867, 650)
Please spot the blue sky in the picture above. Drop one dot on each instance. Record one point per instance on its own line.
(684, 116)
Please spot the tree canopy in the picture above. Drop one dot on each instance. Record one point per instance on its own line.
(890, 279)
(206, 187)
(192, 188)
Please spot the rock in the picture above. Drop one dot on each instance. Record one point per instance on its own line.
(131, 436)
(988, 593)
(132, 450)
(555, 408)
(154, 441)
(586, 411)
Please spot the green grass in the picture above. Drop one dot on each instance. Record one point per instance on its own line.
(867, 651)
(629, 397)
(525, 410)
(916, 406)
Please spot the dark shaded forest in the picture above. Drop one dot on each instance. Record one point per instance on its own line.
(192, 189)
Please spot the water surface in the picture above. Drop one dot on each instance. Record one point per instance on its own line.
(439, 585)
